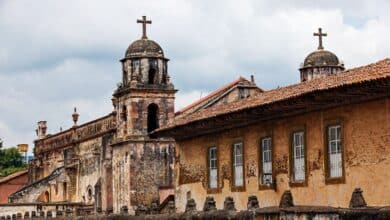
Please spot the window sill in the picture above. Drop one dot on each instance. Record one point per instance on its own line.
(298, 184)
(214, 190)
(237, 189)
(267, 187)
(335, 180)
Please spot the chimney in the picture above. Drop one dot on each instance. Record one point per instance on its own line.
(253, 79)
(41, 130)
(75, 117)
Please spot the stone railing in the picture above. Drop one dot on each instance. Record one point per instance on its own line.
(38, 210)
(286, 210)
(27, 190)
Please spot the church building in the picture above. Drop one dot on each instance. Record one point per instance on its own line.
(113, 163)
(319, 140)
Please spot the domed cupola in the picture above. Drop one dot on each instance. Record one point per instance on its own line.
(144, 48)
(144, 65)
(320, 63)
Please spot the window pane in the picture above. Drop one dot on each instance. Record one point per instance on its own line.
(332, 133)
(238, 180)
(238, 149)
(298, 159)
(338, 132)
(300, 138)
(238, 168)
(266, 177)
(332, 149)
(213, 178)
(335, 151)
(296, 140)
(238, 160)
(338, 146)
(335, 163)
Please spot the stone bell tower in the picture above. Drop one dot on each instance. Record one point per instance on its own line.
(142, 165)
(144, 100)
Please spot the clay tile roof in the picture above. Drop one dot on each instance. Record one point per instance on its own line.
(374, 71)
(12, 176)
(212, 94)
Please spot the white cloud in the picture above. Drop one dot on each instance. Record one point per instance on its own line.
(185, 98)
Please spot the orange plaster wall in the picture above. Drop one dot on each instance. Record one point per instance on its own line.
(11, 186)
(366, 149)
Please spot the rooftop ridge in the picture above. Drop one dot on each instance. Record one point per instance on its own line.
(214, 93)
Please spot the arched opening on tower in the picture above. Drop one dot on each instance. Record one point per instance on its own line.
(152, 117)
(152, 76)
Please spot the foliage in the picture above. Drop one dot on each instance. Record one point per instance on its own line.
(10, 157)
(10, 161)
(10, 170)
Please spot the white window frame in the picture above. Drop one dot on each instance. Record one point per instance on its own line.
(266, 161)
(335, 159)
(298, 156)
(213, 168)
(238, 164)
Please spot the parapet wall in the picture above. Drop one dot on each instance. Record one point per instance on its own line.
(358, 210)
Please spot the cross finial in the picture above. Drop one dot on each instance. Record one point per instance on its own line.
(144, 22)
(320, 35)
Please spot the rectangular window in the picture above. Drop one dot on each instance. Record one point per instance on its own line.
(266, 161)
(298, 156)
(335, 163)
(213, 171)
(238, 164)
(243, 93)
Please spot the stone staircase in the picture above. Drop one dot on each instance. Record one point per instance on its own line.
(31, 192)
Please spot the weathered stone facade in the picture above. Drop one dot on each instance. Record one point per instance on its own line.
(144, 101)
(112, 162)
(71, 166)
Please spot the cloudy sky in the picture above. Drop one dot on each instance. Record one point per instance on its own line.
(55, 55)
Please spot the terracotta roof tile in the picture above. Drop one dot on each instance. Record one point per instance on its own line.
(212, 94)
(13, 175)
(380, 69)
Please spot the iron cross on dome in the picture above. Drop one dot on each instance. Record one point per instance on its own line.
(320, 35)
(144, 22)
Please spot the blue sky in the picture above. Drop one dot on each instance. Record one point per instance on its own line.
(55, 55)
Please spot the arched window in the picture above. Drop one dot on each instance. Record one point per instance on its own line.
(124, 113)
(89, 192)
(152, 76)
(47, 197)
(152, 117)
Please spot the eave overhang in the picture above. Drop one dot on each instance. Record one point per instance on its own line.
(308, 102)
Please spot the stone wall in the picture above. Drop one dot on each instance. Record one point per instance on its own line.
(140, 169)
(11, 184)
(366, 129)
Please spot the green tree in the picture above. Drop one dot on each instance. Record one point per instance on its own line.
(10, 157)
